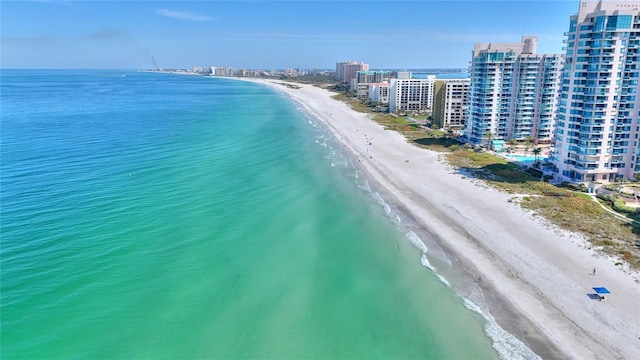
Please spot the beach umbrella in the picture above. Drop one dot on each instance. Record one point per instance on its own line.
(601, 291)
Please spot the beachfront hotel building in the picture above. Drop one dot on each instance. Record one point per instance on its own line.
(512, 94)
(360, 84)
(597, 122)
(411, 94)
(379, 93)
(450, 103)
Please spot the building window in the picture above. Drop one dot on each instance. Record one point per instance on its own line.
(600, 23)
(619, 22)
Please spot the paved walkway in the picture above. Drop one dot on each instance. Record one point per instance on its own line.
(618, 215)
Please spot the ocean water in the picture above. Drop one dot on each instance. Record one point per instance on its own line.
(148, 215)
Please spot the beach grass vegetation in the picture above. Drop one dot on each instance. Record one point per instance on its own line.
(566, 206)
(439, 143)
(580, 214)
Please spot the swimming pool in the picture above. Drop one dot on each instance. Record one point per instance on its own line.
(524, 159)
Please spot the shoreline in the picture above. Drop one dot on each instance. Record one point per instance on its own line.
(535, 278)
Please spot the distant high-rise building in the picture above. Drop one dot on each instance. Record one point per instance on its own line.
(360, 84)
(218, 71)
(411, 94)
(597, 122)
(450, 103)
(366, 77)
(340, 68)
(350, 71)
(403, 75)
(346, 71)
(512, 94)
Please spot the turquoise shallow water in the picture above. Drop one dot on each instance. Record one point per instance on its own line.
(161, 216)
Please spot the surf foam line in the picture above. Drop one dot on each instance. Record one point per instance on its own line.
(464, 283)
(504, 343)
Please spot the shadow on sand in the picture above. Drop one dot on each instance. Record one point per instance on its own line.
(635, 228)
(593, 296)
(508, 173)
(438, 142)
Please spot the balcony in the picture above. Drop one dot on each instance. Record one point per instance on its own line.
(591, 155)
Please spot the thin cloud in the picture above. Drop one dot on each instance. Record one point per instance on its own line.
(182, 15)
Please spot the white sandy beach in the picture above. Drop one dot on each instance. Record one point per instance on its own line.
(542, 273)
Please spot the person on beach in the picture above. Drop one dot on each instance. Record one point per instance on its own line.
(594, 271)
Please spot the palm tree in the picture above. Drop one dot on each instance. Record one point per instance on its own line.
(528, 140)
(489, 136)
(536, 153)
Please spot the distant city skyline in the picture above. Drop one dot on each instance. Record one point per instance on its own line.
(269, 34)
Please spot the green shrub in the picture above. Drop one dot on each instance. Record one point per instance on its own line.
(606, 197)
(621, 207)
(575, 187)
(534, 172)
(627, 195)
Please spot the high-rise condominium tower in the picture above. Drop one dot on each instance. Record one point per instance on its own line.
(450, 103)
(597, 124)
(411, 94)
(512, 93)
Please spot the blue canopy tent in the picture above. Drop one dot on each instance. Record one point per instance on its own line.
(601, 292)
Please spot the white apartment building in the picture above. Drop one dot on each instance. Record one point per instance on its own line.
(597, 122)
(218, 71)
(450, 103)
(411, 94)
(379, 92)
(512, 94)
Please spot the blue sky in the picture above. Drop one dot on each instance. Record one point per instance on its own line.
(268, 34)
